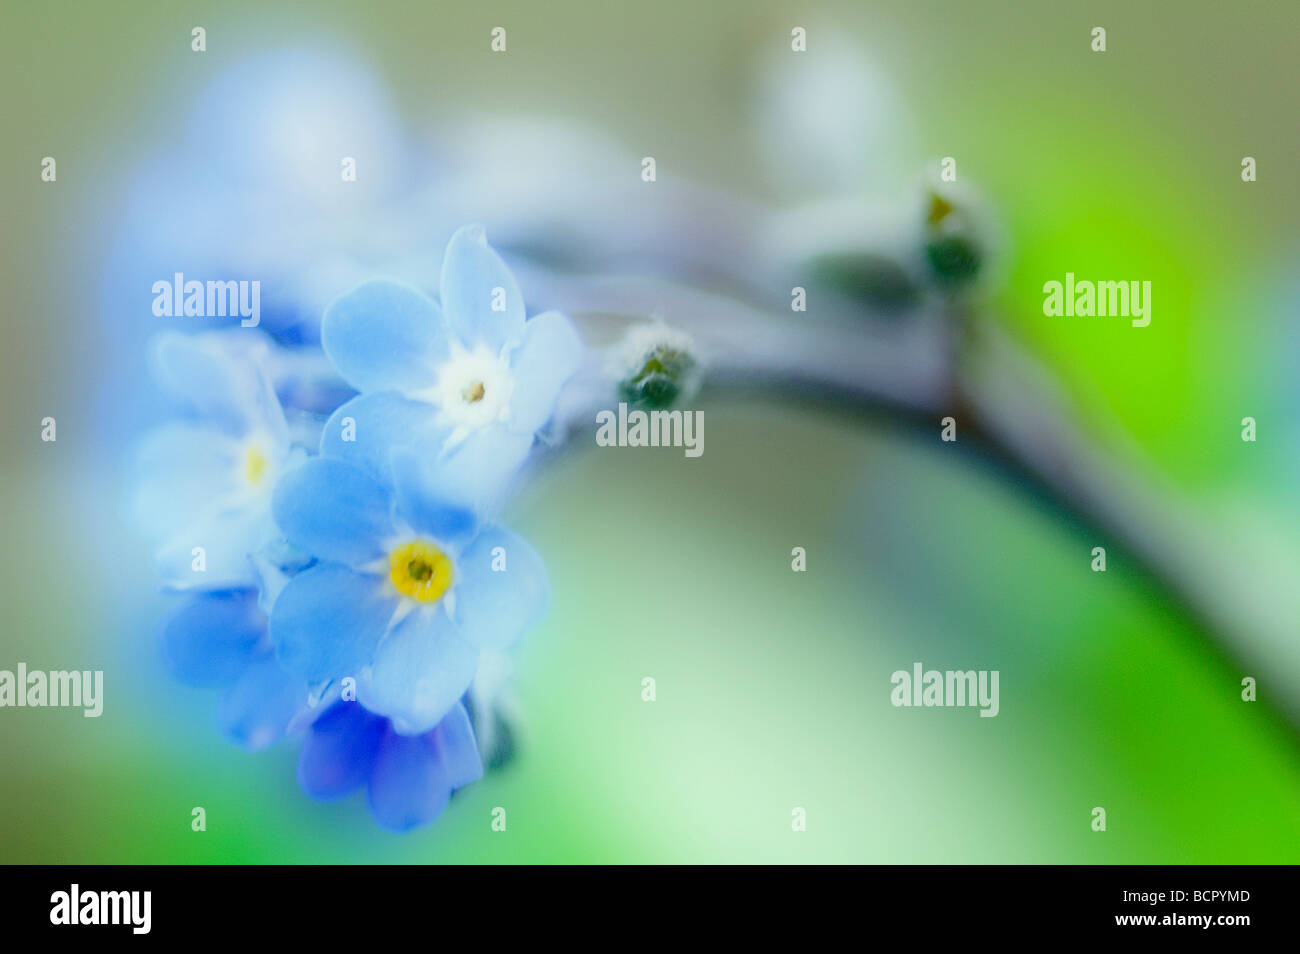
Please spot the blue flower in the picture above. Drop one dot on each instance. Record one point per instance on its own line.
(409, 778)
(407, 591)
(204, 483)
(470, 381)
(218, 641)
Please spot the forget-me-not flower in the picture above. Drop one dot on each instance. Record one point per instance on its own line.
(204, 482)
(408, 778)
(466, 383)
(407, 590)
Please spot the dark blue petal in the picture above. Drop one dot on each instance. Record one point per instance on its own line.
(413, 776)
(258, 707)
(340, 751)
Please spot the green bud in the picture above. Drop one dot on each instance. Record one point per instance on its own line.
(953, 250)
(954, 258)
(656, 367)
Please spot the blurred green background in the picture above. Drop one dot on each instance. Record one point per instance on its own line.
(773, 687)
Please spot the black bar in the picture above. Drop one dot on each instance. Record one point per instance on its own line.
(308, 905)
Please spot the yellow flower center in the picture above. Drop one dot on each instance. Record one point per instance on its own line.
(474, 393)
(420, 570)
(255, 464)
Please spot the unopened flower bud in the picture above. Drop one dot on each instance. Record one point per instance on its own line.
(655, 366)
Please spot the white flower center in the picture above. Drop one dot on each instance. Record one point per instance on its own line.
(472, 389)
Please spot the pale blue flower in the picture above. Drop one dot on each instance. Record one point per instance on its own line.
(467, 383)
(408, 591)
(203, 490)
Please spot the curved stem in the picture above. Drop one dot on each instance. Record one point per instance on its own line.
(1009, 411)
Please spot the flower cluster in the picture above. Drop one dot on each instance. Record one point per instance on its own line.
(344, 575)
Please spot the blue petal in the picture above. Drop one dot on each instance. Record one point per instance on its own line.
(335, 510)
(479, 471)
(211, 639)
(455, 746)
(221, 376)
(385, 336)
(423, 667)
(414, 776)
(475, 474)
(471, 274)
(422, 505)
(227, 537)
(493, 607)
(258, 707)
(182, 469)
(409, 785)
(328, 621)
(551, 352)
(271, 579)
(377, 424)
(340, 751)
